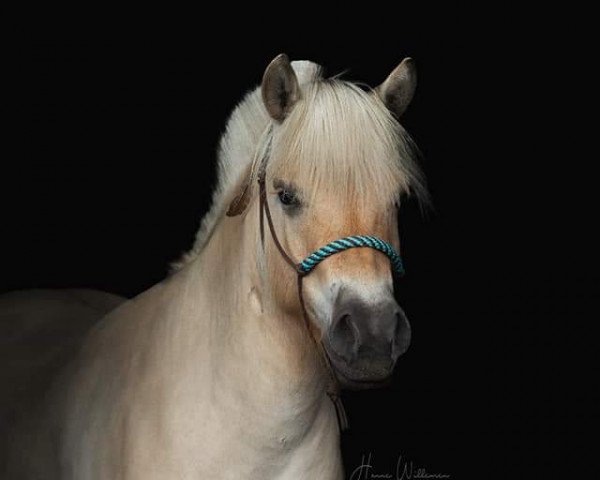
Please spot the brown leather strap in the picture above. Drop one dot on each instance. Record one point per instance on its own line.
(261, 204)
(265, 206)
(333, 390)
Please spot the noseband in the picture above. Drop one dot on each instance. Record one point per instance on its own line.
(308, 265)
(311, 261)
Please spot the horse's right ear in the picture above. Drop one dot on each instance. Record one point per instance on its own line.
(280, 89)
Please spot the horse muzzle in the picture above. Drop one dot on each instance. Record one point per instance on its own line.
(365, 340)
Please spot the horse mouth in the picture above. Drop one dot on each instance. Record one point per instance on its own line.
(369, 373)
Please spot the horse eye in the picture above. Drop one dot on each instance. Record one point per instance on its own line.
(288, 197)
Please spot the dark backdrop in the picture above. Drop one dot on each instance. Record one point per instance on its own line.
(116, 161)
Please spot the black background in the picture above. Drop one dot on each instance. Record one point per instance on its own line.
(115, 162)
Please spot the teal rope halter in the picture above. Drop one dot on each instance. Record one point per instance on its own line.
(346, 243)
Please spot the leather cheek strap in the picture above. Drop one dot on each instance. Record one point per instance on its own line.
(333, 390)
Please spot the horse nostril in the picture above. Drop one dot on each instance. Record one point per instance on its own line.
(402, 334)
(397, 330)
(345, 337)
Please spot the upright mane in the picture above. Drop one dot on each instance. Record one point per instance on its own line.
(339, 135)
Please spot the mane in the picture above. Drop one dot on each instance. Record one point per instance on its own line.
(338, 136)
(343, 139)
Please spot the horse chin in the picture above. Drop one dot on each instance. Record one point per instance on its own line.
(348, 383)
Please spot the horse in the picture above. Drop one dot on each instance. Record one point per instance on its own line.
(227, 368)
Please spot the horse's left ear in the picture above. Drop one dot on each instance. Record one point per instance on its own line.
(399, 87)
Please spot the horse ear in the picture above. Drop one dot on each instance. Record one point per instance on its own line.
(399, 87)
(280, 89)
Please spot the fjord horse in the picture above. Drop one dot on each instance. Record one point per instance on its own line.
(215, 372)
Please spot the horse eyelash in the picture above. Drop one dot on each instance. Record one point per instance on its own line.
(282, 186)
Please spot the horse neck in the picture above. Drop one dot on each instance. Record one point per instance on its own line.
(257, 350)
